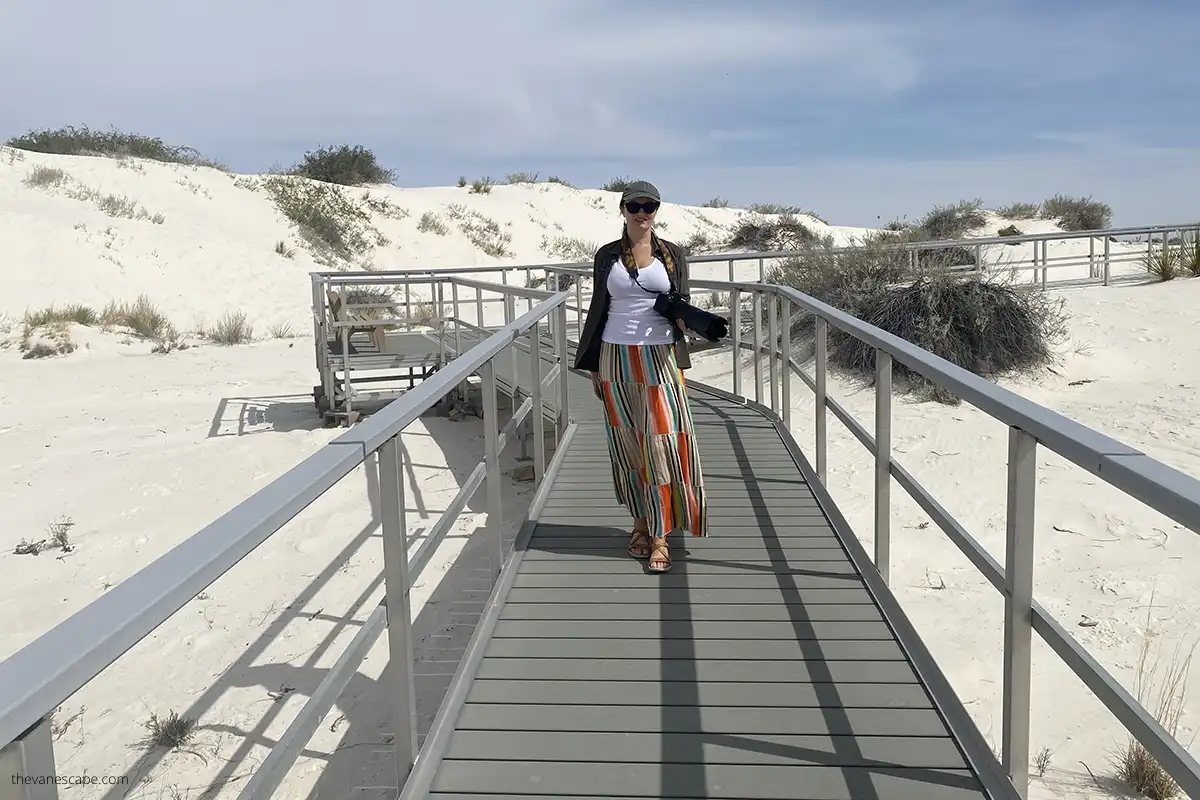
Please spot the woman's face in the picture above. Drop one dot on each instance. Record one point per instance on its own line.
(639, 213)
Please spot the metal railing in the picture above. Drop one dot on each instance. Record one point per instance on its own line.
(1137, 244)
(1166, 490)
(42, 675)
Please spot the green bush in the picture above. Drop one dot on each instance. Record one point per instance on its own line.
(953, 221)
(983, 326)
(83, 141)
(344, 165)
(764, 234)
(1078, 213)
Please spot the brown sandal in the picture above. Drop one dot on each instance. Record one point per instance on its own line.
(639, 544)
(661, 555)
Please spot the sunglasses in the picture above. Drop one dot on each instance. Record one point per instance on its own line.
(648, 206)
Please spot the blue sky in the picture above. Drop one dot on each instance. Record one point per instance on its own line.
(859, 110)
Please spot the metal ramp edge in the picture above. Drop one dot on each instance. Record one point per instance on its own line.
(975, 750)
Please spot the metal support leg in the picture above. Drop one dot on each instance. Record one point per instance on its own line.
(491, 442)
(773, 357)
(735, 304)
(883, 463)
(399, 615)
(822, 421)
(26, 764)
(756, 309)
(1018, 606)
(786, 362)
(564, 387)
(538, 418)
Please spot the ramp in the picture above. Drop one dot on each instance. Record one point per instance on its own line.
(762, 666)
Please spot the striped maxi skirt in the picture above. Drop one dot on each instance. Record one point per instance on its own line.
(651, 440)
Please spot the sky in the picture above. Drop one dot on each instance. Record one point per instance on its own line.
(863, 111)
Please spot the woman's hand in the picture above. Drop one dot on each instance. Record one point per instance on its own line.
(682, 327)
(596, 385)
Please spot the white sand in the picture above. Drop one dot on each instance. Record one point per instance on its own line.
(141, 450)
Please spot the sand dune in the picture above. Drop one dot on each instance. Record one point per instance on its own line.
(138, 450)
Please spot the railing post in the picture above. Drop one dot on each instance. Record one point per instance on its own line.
(491, 444)
(1018, 605)
(735, 303)
(773, 360)
(26, 764)
(579, 315)
(457, 317)
(479, 309)
(786, 321)
(539, 418)
(399, 615)
(756, 310)
(564, 388)
(883, 463)
(821, 427)
(1107, 260)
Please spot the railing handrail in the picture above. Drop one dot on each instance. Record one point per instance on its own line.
(751, 255)
(1164, 488)
(44, 673)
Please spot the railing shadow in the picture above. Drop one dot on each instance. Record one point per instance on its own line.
(244, 416)
(684, 738)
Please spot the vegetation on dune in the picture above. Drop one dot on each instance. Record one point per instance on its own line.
(343, 165)
(83, 141)
(981, 325)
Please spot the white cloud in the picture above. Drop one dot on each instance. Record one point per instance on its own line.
(1143, 185)
(569, 79)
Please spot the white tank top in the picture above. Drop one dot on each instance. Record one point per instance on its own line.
(631, 315)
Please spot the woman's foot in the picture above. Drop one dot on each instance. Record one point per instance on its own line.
(660, 558)
(639, 543)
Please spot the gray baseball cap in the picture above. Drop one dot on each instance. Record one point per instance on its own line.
(639, 190)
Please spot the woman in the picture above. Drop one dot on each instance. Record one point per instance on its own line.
(636, 357)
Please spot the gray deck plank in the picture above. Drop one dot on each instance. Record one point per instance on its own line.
(830, 612)
(702, 650)
(697, 748)
(724, 596)
(759, 667)
(837, 630)
(655, 693)
(615, 668)
(639, 779)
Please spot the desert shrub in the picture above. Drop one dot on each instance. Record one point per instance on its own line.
(568, 249)
(83, 141)
(699, 242)
(482, 186)
(1164, 695)
(1189, 254)
(514, 178)
(74, 312)
(1010, 230)
(344, 165)
(617, 185)
(988, 328)
(1020, 210)
(560, 181)
(232, 328)
(41, 177)
(954, 221)
(763, 234)
(1164, 264)
(773, 208)
(432, 222)
(332, 225)
(1078, 213)
(716, 202)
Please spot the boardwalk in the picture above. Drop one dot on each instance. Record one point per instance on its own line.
(761, 666)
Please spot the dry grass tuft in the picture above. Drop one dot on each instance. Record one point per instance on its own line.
(1163, 695)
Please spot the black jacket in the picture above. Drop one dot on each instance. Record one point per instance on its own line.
(587, 356)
